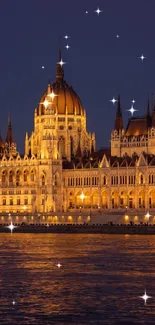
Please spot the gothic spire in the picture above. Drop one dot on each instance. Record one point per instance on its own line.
(9, 135)
(118, 119)
(60, 71)
(148, 109)
(78, 151)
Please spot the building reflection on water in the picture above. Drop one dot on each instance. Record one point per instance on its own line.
(100, 280)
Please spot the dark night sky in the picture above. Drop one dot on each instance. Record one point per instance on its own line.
(98, 64)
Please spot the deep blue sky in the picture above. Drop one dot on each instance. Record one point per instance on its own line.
(98, 64)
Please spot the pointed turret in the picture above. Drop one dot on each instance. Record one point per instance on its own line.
(118, 120)
(49, 88)
(78, 151)
(9, 135)
(148, 109)
(60, 71)
(92, 149)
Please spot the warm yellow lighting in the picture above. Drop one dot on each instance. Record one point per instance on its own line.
(52, 95)
(126, 217)
(24, 207)
(148, 215)
(70, 218)
(136, 218)
(82, 196)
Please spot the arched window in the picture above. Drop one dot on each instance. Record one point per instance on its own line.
(25, 175)
(17, 178)
(141, 179)
(32, 176)
(72, 146)
(4, 201)
(43, 180)
(104, 180)
(18, 201)
(57, 180)
(10, 177)
(25, 201)
(62, 146)
(11, 201)
(3, 177)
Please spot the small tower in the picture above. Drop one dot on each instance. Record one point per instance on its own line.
(9, 135)
(59, 71)
(118, 120)
(148, 109)
(10, 145)
(148, 115)
(78, 151)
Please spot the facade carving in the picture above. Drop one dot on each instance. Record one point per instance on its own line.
(61, 170)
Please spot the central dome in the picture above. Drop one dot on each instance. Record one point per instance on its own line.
(66, 100)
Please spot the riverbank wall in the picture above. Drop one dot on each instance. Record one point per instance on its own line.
(82, 229)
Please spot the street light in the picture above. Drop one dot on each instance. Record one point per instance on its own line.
(148, 215)
(82, 197)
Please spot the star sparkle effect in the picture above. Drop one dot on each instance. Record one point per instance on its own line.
(66, 36)
(11, 226)
(148, 215)
(113, 100)
(13, 302)
(117, 36)
(133, 101)
(132, 110)
(43, 67)
(52, 95)
(142, 57)
(98, 11)
(67, 46)
(145, 297)
(86, 11)
(45, 103)
(61, 62)
(59, 265)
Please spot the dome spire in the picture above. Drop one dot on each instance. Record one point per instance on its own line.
(9, 136)
(60, 71)
(148, 109)
(118, 120)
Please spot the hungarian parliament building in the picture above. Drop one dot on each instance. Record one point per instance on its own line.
(61, 170)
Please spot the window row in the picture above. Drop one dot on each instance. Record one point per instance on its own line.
(11, 201)
(86, 181)
(16, 179)
(123, 180)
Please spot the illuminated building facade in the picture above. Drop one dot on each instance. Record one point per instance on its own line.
(61, 171)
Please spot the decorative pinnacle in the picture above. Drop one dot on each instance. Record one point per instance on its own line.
(60, 71)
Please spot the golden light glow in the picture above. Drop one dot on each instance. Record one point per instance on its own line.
(126, 217)
(148, 215)
(82, 196)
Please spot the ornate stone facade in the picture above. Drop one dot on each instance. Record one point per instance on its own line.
(61, 171)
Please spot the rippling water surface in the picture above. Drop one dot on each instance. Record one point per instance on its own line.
(99, 282)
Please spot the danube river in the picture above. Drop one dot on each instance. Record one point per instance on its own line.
(100, 280)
